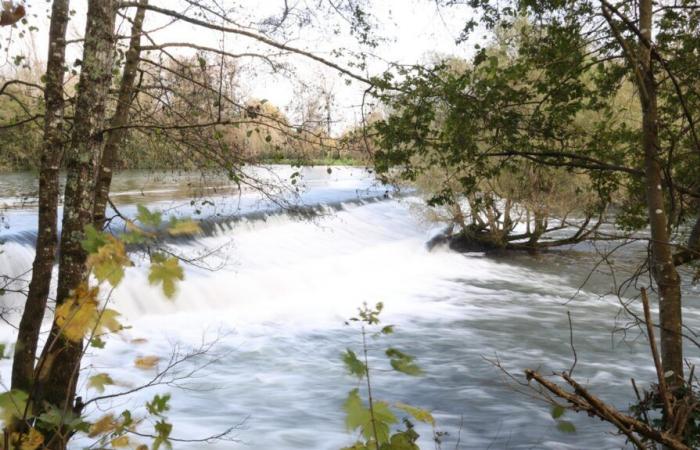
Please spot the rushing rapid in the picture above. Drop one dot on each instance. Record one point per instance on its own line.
(270, 296)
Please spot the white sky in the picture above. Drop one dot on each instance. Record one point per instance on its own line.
(413, 29)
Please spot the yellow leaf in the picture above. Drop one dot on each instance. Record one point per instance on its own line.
(105, 425)
(417, 413)
(139, 341)
(146, 362)
(109, 261)
(32, 440)
(166, 272)
(78, 314)
(121, 441)
(108, 320)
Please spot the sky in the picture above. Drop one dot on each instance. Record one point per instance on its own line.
(410, 31)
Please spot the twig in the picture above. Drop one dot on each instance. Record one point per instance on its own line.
(571, 342)
(639, 399)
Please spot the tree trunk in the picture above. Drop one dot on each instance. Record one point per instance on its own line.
(40, 284)
(662, 266)
(59, 365)
(115, 138)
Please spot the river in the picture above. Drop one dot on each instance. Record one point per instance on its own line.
(274, 293)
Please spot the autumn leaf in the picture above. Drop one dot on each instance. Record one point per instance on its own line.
(420, 415)
(146, 362)
(78, 314)
(32, 440)
(166, 272)
(109, 261)
(99, 381)
(108, 321)
(121, 441)
(104, 425)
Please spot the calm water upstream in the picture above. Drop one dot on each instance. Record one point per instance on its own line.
(283, 287)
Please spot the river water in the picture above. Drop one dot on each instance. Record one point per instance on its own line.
(275, 290)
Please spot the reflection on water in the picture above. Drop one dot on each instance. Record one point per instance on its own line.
(278, 304)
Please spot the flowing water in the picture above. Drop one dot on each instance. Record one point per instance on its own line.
(283, 286)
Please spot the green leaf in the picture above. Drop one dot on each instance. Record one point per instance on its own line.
(353, 364)
(356, 413)
(158, 405)
(99, 381)
(357, 446)
(148, 218)
(358, 416)
(133, 237)
(405, 440)
(557, 411)
(56, 417)
(383, 417)
(166, 272)
(401, 362)
(97, 342)
(419, 414)
(163, 430)
(566, 427)
(12, 405)
(93, 239)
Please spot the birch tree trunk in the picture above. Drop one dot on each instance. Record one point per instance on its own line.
(59, 365)
(46, 242)
(115, 138)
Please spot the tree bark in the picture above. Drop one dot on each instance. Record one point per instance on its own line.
(115, 138)
(59, 365)
(662, 265)
(46, 242)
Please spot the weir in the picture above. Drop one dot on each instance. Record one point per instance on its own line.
(274, 289)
